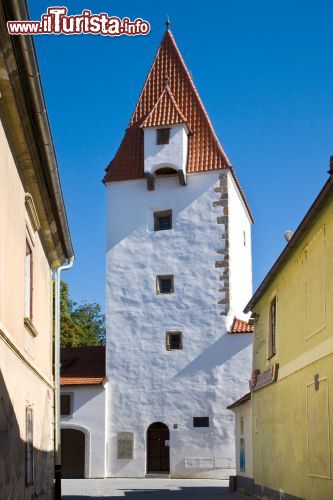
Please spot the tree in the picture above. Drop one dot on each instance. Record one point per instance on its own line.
(80, 324)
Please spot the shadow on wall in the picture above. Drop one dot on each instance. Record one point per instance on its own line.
(194, 492)
(215, 355)
(13, 456)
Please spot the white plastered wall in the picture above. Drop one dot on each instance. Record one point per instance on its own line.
(148, 383)
(88, 416)
(172, 155)
(244, 411)
(240, 255)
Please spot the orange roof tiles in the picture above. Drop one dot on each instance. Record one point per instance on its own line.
(157, 106)
(165, 112)
(240, 326)
(82, 365)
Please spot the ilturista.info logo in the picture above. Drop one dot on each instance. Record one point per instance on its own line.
(56, 21)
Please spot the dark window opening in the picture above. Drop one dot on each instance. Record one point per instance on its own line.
(162, 136)
(174, 341)
(163, 220)
(200, 421)
(166, 171)
(65, 404)
(165, 284)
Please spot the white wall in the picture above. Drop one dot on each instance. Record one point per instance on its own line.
(173, 154)
(240, 254)
(244, 411)
(148, 383)
(89, 416)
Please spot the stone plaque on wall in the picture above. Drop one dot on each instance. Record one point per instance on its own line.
(125, 445)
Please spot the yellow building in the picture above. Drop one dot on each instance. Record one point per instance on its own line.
(292, 381)
(34, 241)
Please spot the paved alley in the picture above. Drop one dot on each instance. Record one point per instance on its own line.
(150, 489)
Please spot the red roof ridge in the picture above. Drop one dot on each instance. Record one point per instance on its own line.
(240, 326)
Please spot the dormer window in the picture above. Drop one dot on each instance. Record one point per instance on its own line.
(162, 136)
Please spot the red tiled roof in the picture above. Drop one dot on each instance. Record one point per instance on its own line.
(205, 152)
(240, 401)
(240, 326)
(165, 112)
(82, 365)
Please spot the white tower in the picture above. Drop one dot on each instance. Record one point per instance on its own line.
(178, 273)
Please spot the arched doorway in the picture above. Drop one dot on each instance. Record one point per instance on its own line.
(158, 455)
(72, 453)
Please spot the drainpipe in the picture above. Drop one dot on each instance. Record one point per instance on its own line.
(57, 444)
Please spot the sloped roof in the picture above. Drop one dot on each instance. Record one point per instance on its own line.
(241, 326)
(240, 401)
(165, 112)
(204, 153)
(293, 243)
(82, 365)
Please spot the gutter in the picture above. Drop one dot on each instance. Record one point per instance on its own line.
(29, 72)
(57, 364)
(293, 242)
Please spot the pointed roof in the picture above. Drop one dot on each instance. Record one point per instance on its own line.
(155, 105)
(165, 112)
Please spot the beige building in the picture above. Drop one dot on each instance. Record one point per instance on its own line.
(34, 241)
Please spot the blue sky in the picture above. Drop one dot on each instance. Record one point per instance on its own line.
(264, 71)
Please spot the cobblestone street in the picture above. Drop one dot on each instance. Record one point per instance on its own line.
(150, 489)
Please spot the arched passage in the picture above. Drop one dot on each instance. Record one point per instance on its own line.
(72, 453)
(158, 455)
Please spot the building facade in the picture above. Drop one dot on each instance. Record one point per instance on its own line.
(293, 363)
(83, 412)
(34, 240)
(242, 409)
(178, 272)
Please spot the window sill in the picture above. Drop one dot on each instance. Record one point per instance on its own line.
(30, 327)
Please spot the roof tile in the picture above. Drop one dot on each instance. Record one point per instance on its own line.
(240, 326)
(205, 153)
(82, 365)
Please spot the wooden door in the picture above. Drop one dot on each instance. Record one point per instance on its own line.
(72, 453)
(158, 459)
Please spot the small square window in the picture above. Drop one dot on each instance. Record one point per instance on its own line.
(174, 341)
(200, 421)
(162, 136)
(165, 284)
(65, 405)
(163, 220)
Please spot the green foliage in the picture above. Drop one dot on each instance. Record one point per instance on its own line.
(81, 324)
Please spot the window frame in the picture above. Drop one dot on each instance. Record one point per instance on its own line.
(161, 215)
(28, 290)
(71, 397)
(272, 327)
(164, 277)
(163, 136)
(168, 336)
